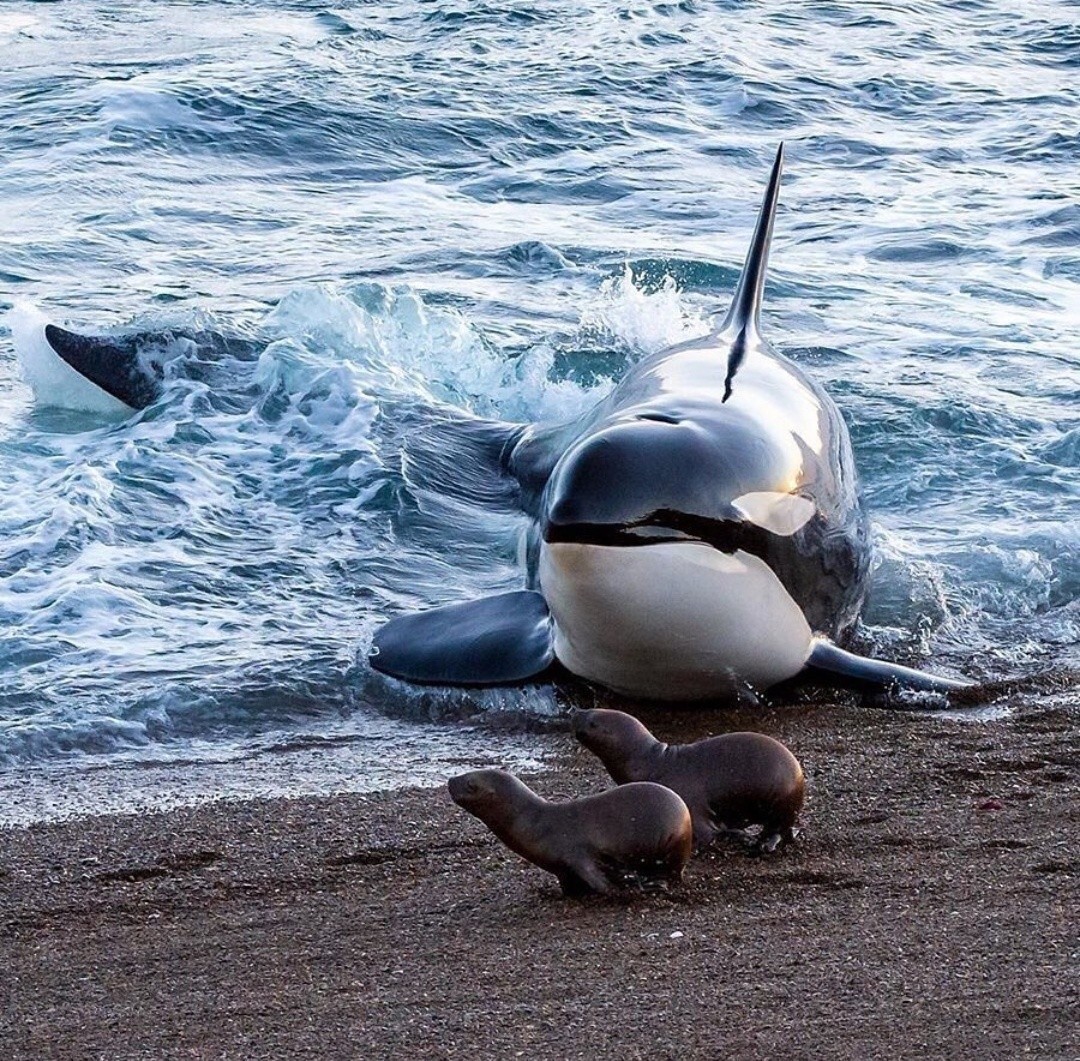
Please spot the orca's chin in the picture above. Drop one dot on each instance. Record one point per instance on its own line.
(679, 620)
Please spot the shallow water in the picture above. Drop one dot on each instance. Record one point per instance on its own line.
(372, 216)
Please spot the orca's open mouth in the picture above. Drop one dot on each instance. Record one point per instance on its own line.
(614, 534)
(663, 528)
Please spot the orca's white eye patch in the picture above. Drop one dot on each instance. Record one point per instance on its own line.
(782, 514)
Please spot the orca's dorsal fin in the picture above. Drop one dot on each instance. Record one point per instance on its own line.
(743, 321)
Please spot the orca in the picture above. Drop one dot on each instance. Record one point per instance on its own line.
(700, 530)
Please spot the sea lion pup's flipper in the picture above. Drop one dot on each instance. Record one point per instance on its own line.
(114, 365)
(840, 667)
(491, 641)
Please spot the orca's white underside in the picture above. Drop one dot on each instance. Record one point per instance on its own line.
(678, 621)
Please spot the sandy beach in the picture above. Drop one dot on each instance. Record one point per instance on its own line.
(929, 910)
(721, 328)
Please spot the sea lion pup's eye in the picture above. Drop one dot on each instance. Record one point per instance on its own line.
(582, 721)
(464, 787)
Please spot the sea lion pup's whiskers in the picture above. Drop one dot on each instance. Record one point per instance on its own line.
(634, 833)
(503, 805)
(728, 782)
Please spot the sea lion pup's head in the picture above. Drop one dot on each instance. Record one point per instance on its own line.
(482, 792)
(612, 736)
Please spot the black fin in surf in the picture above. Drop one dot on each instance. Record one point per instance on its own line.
(743, 320)
(838, 666)
(492, 641)
(112, 365)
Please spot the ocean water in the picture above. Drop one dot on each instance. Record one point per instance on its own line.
(365, 218)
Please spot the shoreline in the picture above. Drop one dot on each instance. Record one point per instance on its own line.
(926, 911)
(322, 766)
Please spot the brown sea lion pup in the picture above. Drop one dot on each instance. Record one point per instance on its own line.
(729, 782)
(600, 843)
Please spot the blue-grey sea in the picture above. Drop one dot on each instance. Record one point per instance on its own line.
(374, 212)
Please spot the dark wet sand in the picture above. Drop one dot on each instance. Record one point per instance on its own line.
(929, 911)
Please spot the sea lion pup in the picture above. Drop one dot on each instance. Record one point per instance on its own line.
(627, 835)
(728, 782)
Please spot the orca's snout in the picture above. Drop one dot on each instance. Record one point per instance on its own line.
(648, 470)
(565, 512)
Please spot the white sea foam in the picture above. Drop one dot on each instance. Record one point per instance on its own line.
(13, 23)
(645, 320)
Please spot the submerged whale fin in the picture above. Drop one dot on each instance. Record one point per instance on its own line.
(743, 320)
(114, 366)
(847, 668)
(492, 641)
(463, 457)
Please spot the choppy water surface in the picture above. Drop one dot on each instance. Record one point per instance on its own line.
(379, 212)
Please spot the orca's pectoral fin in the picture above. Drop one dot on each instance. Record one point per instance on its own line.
(839, 667)
(492, 641)
(114, 365)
